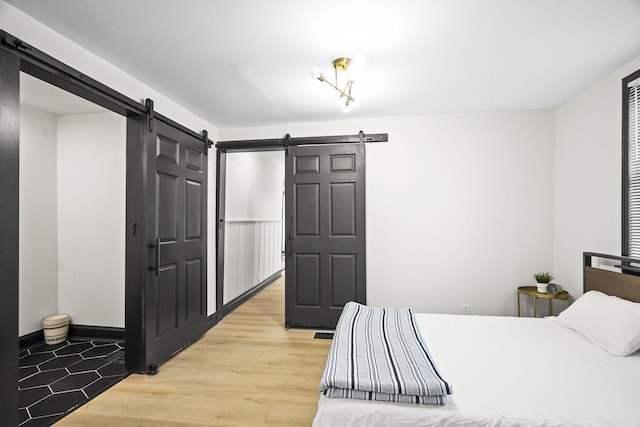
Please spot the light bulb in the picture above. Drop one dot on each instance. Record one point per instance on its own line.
(316, 74)
(358, 61)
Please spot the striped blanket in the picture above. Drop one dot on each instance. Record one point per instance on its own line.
(379, 354)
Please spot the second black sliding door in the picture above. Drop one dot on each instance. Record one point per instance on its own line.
(325, 232)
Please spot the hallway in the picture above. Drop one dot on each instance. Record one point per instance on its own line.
(247, 370)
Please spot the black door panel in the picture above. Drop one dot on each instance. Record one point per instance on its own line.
(325, 223)
(176, 288)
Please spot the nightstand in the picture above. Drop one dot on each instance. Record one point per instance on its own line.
(532, 291)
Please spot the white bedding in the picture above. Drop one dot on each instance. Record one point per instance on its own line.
(508, 371)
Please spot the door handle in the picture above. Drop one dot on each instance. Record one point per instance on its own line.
(156, 266)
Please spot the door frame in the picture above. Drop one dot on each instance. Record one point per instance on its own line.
(10, 242)
(17, 56)
(256, 145)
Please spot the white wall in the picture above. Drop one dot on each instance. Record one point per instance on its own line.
(38, 270)
(459, 207)
(254, 187)
(588, 183)
(72, 211)
(91, 218)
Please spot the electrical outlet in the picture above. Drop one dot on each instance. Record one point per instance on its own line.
(466, 308)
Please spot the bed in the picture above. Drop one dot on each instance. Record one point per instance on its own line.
(569, 370)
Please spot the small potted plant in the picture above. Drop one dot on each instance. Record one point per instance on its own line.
(543, 279)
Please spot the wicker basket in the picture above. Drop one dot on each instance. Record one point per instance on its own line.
(55, 328)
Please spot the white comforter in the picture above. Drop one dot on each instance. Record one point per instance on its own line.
(509, 372)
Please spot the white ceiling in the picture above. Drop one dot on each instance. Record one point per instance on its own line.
(246, 62)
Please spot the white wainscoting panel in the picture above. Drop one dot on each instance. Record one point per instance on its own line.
(253, 252)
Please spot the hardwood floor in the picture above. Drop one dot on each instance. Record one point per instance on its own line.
(246, 371)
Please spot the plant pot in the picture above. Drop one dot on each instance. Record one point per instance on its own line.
(542, 287)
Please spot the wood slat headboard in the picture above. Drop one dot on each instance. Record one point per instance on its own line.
(622, 285)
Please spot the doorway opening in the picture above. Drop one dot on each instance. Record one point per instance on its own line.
(253, 226)
(72, 248)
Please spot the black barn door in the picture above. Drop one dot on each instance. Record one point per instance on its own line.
(175, 306)
(325, 232)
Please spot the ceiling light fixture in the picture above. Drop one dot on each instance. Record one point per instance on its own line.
(342, 79)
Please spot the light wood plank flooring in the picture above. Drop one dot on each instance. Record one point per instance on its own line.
(246, 371)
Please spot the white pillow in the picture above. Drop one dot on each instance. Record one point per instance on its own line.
(611, 323)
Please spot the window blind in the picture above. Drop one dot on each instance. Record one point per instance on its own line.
(633, 156)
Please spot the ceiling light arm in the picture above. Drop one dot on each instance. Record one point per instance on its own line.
(348, 87)
(347, 95)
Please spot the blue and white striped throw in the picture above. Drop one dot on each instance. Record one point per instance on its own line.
(379, 354)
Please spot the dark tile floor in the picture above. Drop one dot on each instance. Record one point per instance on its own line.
(56, 379)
